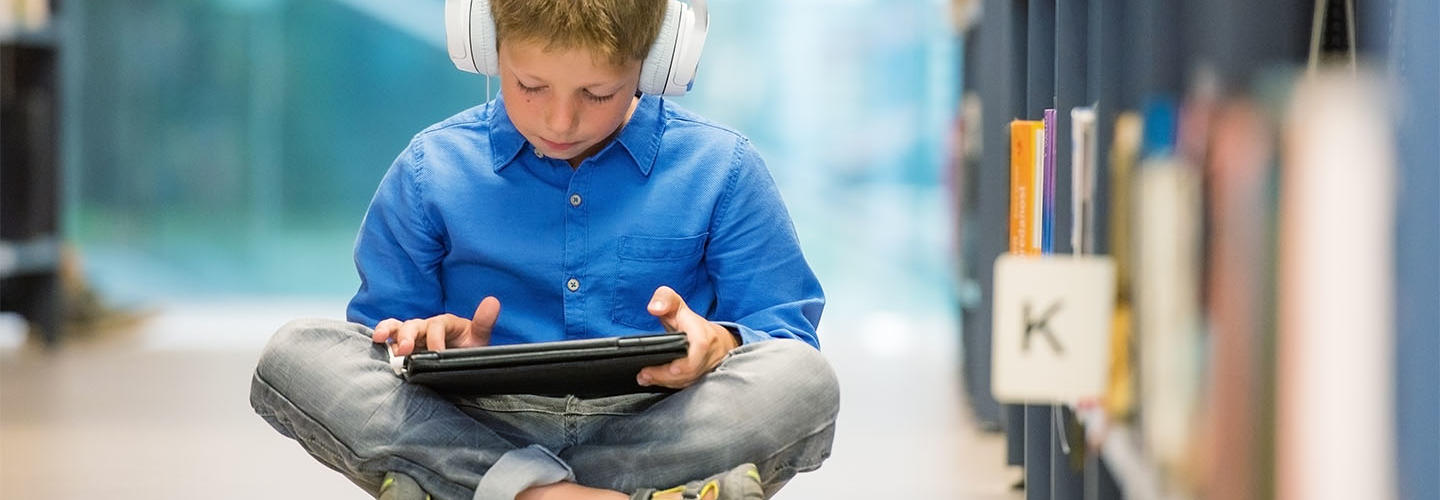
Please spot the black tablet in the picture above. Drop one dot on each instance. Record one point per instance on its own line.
(587, 368)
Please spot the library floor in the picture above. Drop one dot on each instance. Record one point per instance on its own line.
(162, 413)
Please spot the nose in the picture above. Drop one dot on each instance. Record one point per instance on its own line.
(562, 117)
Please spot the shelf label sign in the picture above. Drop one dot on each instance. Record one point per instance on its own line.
(1052, 324)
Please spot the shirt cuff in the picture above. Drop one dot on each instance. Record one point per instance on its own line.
(742, 333)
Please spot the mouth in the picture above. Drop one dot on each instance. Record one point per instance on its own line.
(557, 146)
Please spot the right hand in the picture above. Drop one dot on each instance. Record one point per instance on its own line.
(439, 332)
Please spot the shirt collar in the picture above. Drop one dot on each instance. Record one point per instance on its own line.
(640, 136)
(505, 141)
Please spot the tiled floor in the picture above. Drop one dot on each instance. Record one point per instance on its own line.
(162, 412)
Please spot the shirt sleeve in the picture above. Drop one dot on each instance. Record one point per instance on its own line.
(764, 287)
(398, 250)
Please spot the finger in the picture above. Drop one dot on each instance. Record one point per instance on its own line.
(697, 333)
(679, 373)
(384, 330)
(484, 320)
(406, 336)
(646, 377)
(666, 305)
(435, 333)
(688, 366)
(660, 375)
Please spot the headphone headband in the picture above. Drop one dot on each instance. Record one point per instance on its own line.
(669, 67)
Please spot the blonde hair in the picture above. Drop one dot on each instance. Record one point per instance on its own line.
(617, 31)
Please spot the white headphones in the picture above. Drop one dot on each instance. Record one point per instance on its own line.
(669, 67)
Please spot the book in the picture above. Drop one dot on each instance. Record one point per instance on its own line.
(1120, 399)
(1168, 231)
(1025, 138)
(1082, 180)
(1037, 169)
(1124, 153)
(1336, 372)
(1047, 204)
(1239, 260)
(1167, 306)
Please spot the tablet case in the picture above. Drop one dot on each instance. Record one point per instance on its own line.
(586, 368)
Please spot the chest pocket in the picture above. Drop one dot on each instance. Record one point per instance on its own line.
(645, 263)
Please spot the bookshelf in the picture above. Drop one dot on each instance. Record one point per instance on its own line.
(1024, 56)
(30, 166)
(1416, 32)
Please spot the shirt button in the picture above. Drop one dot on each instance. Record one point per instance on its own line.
(573, 284)
(575, 200)
(538, 154)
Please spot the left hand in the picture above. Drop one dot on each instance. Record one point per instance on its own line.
(709, 342)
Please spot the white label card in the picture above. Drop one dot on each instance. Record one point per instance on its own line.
(1052, 318)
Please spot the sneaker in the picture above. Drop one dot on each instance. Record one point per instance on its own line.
(399, 486)
(740, 483)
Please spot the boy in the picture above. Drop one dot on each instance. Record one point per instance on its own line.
(588, 210)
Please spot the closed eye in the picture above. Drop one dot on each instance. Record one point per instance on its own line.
(586, 92)
(598, 98)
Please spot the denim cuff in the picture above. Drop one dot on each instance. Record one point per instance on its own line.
(521, 469)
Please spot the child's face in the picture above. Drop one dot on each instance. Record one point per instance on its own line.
(565, 102)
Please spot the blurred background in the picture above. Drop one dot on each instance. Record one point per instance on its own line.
(182, 177)
(212, 160)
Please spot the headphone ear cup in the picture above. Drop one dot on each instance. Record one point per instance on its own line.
(482, 38)
(655, 71)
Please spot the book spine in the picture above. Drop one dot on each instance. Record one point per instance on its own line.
(1238, 263)
(1019, 194)
(1024, 188)
(1082, 151)
(1037, 188)
(1336, 309)
(1047, 210)
(1167, 214)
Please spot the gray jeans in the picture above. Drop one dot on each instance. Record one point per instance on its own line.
(326, 385)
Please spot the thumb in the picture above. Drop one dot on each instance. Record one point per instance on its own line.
(484, 321)
(667, 305)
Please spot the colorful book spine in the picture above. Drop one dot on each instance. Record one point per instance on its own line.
(1121, 398)
(1239, 260)
(1047, 208)
(1025, 138)
(1037, 193)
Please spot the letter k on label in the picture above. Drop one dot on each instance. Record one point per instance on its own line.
(1040, 325)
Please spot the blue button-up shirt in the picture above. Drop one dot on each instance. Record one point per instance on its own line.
(469, 210)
